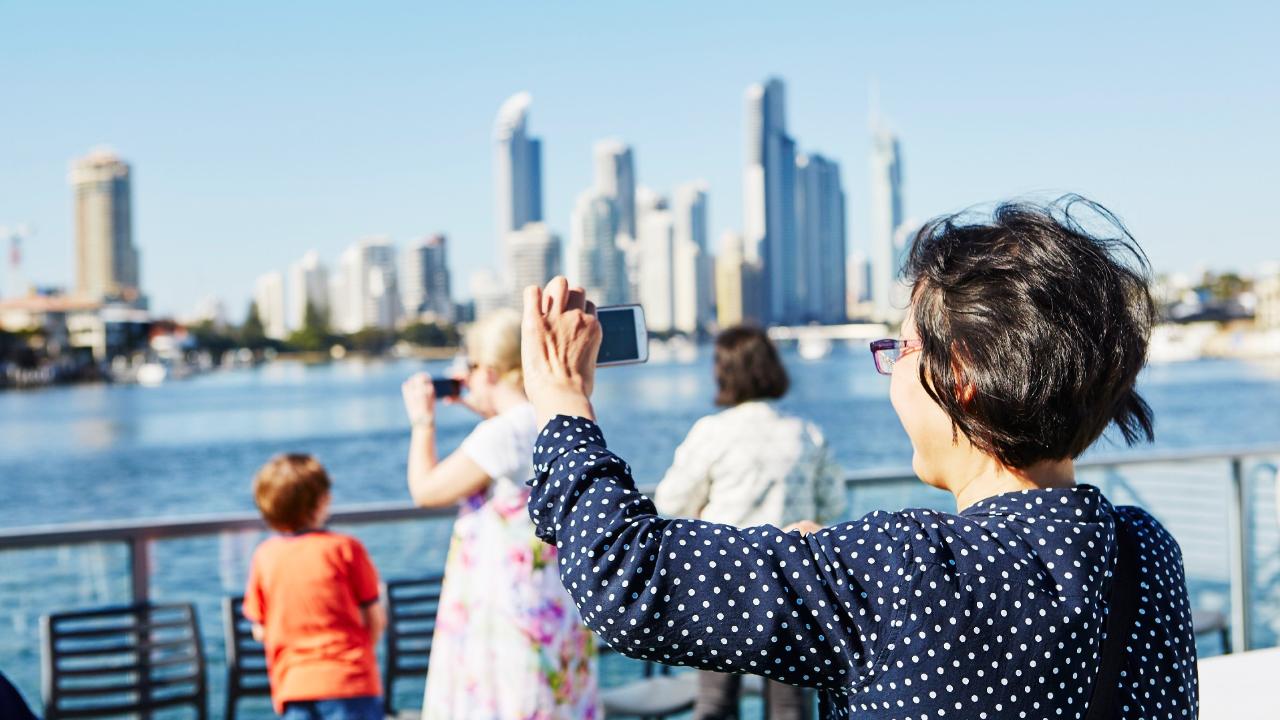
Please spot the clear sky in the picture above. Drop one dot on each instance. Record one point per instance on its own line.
(259, 130)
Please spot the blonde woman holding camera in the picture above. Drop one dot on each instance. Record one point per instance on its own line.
(508, 643)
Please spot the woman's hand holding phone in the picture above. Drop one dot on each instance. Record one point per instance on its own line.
(419, 399)
(560, 338)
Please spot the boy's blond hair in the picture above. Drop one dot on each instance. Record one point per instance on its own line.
(288, 490)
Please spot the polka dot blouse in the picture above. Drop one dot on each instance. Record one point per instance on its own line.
(997, 612)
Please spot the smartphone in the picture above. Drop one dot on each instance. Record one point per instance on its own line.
(626, 340)
(447, 387)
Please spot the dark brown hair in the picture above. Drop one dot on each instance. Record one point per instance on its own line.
(747, 366)
(1033, 327)
(288, 490)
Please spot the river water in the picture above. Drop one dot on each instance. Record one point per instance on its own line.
(111, 452)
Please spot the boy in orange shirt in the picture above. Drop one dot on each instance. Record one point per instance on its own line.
(313, 600)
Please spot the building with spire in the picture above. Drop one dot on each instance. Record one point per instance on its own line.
(886, 215)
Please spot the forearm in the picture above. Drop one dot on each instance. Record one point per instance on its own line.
(423, 459)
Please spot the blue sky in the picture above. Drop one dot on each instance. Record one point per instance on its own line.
(260, 130)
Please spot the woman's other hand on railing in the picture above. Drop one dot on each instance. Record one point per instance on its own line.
(560, 338)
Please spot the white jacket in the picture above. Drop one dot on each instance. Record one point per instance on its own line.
(753, 465)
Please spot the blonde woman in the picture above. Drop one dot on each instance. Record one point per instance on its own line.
(508, 642)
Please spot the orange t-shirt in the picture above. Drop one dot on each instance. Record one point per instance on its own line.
(307, 591)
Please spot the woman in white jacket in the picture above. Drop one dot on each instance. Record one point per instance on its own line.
(751, 464)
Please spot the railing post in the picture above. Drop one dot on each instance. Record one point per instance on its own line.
(1238, 544)
(140, 568)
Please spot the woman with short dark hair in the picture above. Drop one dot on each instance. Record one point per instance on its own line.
(751, 464)
(1037, 598)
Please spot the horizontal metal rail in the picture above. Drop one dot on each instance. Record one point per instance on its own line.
(138, 535)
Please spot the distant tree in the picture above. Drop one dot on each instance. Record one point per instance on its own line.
(252, 334)
(433, 335)
(314, 334)
(209, 337)
(1226, 286)
(371, 340)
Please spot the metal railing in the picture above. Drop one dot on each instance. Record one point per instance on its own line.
(138, 536)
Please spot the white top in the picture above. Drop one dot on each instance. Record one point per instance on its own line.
(753, 465)
(503, 446)
(1237, 686)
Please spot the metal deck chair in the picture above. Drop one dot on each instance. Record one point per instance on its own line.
(128, 660)
(246, 659)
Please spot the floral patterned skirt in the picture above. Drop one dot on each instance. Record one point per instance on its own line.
(508, 644)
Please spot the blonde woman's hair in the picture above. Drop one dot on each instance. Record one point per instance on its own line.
(494, 341)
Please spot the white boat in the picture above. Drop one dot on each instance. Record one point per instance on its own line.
(813, 348)
(152, 374)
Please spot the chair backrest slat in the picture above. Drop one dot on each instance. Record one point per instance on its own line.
(245, 657)
(412, 604)
(122, 659)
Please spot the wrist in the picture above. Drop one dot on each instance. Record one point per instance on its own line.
(423, 421)
(570, 404)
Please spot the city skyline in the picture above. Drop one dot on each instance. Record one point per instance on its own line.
(1166, 128)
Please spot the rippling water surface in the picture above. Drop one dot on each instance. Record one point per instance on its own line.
(112, 452)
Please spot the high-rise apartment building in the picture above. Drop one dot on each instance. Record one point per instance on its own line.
(424, 281)
(488, 293)
(737, 286)
(615, 179)
(517, 163)
(820, 234)
(308, 286)
(886, 217)
(655, 227)
(594, 259)
(769, 196)
(106, 258)
(268, 296)
(535, 258)
(368, 286)
(693, 274)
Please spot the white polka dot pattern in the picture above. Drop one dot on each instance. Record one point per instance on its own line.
(997, 612)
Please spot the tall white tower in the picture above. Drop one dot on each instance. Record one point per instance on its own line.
(886, 217)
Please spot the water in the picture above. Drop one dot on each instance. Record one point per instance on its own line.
(117, 451)
(114, 452)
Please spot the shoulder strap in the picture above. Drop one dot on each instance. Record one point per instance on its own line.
(1122, 605)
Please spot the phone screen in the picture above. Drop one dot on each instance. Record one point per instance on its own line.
(618, 326)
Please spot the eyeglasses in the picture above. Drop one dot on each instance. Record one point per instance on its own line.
(887, 352)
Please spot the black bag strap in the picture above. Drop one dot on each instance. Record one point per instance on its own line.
(1122, 607)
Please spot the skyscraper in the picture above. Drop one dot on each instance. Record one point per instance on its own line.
(657, 260)
(886, 217)
(692, 271)
(769, 195)
(820, 233)
(615, 179)
(517, 168)
(268, 295)
(535, 258)
(488, 292)
(738, 295)
(424, 280)
(308, 285)
(106, 258)
(594, 259)
(368, 285)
